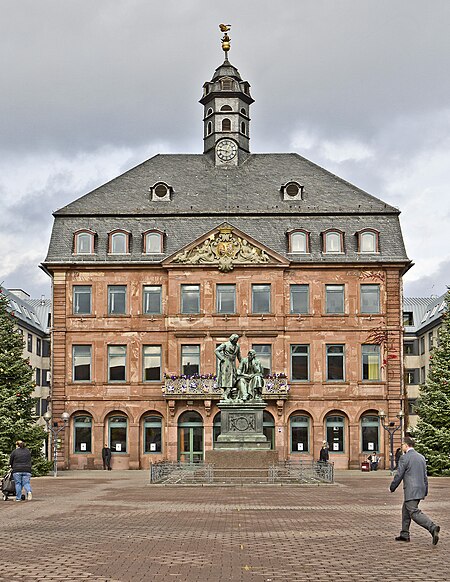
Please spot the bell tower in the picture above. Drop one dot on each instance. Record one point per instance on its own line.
(226, 120)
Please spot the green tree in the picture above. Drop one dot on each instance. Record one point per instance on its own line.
(433, 427)
(16, 402)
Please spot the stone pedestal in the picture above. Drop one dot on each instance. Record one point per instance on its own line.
(242, 427)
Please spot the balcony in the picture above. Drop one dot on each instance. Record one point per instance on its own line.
(205, 387)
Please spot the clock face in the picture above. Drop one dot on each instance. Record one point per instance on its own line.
(226, 149)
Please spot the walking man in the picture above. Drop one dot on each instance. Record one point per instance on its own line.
(412, 470)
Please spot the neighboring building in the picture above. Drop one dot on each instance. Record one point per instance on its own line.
(32, 317)
(422, 318)
(153, 270)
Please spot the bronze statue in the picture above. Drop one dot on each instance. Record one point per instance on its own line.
(250, 381)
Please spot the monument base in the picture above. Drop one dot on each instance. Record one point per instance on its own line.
(222, 459)
(241, 426)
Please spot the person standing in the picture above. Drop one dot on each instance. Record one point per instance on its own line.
(324, 453)
(20, 461)
(412, 470)
(227, 376)
(106, 457)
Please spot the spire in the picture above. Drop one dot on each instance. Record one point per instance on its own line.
(226, 100)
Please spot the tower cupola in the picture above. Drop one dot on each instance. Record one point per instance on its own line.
(226, 121)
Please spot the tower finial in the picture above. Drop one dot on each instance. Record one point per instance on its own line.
(225, 39)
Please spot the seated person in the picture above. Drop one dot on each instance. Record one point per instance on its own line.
(250, 380)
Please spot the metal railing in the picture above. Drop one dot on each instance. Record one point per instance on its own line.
(293, 472)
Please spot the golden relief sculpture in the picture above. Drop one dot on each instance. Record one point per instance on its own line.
(225, 249)
(226, 40)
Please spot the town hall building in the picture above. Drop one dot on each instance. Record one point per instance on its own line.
(155, 269)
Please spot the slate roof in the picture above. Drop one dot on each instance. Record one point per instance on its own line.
(426, 311)
(32, 313)
(247, 197)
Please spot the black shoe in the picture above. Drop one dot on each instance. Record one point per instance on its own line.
(435, 534)
(402, 539)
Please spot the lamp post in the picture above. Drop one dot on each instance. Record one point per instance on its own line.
(391, 428)
(55, 430)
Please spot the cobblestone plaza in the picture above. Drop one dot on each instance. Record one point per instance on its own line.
(115, 527)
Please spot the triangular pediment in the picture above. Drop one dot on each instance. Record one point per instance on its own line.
(225, 247)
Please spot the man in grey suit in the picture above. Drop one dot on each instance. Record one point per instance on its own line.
(412, 470)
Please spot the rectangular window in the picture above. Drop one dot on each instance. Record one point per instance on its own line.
(412, 376)
(117, 363)
(430, 340)
(412, 402)
(81, 363)
(370, 299)
(45, 377)
(260, 298)
(370, 362)
(38, 376)
(82, 434)
(226, 298)
(117, 299)
(82, 299)
(422, 345)
(335, 362)
(408, 318)
(45, 348)
(300, 362)
(334, 298)
(423, 375)
(190, 298)
(409, 348)
(153, 434)
(370, 434)
(264, 355)
(30, 343)
(152, 363)
(152, 299)
(190, 359)
(38, 346)
(299, 298)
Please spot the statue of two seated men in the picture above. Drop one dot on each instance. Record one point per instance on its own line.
(243, 383)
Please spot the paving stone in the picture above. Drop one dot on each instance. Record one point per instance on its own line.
(115, 527)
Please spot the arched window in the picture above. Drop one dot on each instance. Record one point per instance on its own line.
(269, 428)
(299, 242)
(335, 433)
(243, 128)
(209, 130)
(226, 108)
(209, 112)
(84, 243)
(243, 111)
(119, 243)
(299, 433)
(190, 437)
(118, 433)
(333, 242)
(82, 434)
(153, 434)
(152, 242)
(226, 125)
(370, 429)
(368, 241)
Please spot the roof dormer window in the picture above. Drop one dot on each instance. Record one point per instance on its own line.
(333, 241)
(153, 242)
(298, 241)
(119, 243)
(226, 84)
(84, 242)
(292, 191)
(161, 192)
(367, 241)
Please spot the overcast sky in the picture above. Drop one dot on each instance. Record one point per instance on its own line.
(90, 89)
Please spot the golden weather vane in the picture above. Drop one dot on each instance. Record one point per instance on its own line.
(225, 39)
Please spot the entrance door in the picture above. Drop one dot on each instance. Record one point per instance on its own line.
(190, 438)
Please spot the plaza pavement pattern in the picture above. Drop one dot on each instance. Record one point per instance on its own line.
(115, 527)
